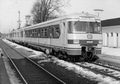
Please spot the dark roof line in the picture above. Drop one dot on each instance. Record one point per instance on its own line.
(110, 22)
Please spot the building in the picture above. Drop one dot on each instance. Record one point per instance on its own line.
(111, 32)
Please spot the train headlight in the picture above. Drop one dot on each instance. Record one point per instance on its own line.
(100, 42)
(76, 41)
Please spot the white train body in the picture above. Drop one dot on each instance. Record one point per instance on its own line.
(67, 34)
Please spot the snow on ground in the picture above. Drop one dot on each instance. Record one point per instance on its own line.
(11, 73)
(111, 71)
(111, 51)
(16, 45)
(70, 66)
(36, 54)
(86, 73)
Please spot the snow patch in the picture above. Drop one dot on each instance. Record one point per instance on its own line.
(86, 73)
(111, 51)
(45, 60)
(38, 55)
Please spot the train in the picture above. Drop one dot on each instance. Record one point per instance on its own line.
(74, 36)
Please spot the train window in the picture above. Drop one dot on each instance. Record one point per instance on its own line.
(94, 27)
(39, 32)
(32, 33)
(56, 31)
(28, 34)
(35, 33)
(45, 32)
(83, 27)
(77, 26)
(25, 33)
(50, 32)
(70, 27)
(64, 23)
(21, 33)
(42, 32)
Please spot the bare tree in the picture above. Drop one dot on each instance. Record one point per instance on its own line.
(46, 9)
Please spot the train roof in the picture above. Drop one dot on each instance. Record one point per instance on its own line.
(75, 15)
(70, 16)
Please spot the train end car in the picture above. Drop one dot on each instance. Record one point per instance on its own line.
(72, 36)
(84, 36)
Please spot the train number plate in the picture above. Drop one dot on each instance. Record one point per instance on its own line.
(89, 41)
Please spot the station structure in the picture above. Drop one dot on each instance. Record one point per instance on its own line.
(111, 33)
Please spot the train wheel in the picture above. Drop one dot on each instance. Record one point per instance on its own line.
(54, 52)
(74, 59)
(60, 55)
(81, 59)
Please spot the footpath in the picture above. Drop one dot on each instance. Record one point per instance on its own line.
(110, 56)
(110, 60)
(4, 79)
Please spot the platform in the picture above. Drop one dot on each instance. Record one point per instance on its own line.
(110, 59)
(4, 79)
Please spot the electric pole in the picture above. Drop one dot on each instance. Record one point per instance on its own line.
(19, 22)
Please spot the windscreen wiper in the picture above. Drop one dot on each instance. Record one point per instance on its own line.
(76, 22)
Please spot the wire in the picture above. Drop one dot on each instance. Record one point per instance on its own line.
(9, 9)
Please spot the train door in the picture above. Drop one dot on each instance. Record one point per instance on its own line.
(63, 33)
(50, 35)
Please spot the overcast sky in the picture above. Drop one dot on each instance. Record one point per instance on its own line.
(9, 10)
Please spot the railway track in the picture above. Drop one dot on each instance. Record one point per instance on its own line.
(102, 69)
(107, 66)
(29, 71)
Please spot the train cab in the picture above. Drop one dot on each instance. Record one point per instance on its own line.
(84, 35)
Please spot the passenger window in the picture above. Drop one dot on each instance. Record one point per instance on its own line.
(56, 31)
(45, 32)
(39, 32)
(42, 32)
(35, 32)
(50, 32)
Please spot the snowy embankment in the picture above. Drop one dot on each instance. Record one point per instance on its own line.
(69, 66)
(111, 51)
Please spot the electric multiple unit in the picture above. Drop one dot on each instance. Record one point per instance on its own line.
(72, 35)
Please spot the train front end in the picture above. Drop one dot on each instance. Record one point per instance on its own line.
(84, 37)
